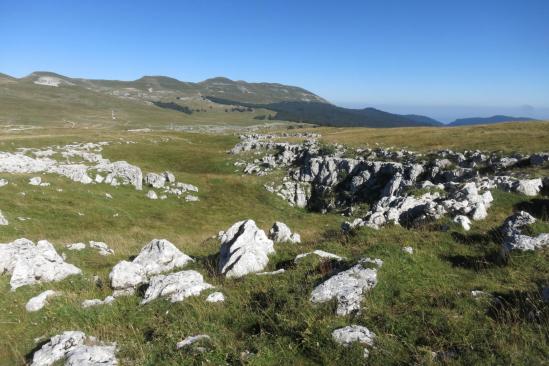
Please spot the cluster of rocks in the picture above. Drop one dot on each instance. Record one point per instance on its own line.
(167, 183)
(30, 263)
(101, 247)
(513, 237)
(80, 161)
(453, 183)
(75, 348)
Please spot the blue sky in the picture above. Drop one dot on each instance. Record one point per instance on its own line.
(446, 59)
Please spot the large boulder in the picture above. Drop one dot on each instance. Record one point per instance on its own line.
(348, 287)
(29, 263)
(244, 249)
(154, 180)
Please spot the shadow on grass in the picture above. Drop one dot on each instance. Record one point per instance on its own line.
(472, 239)
(539, 208)
(476, 263)
(519, 306)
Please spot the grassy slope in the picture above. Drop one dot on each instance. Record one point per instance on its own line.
(73, 105)
(421, 305)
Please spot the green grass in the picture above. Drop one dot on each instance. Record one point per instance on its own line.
(421, 305)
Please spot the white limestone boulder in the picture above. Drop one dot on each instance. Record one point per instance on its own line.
(348, 287)
(38, 302)
(281, 233)
(29, 263)
(175, 286)
(352, 334)
(244, 249)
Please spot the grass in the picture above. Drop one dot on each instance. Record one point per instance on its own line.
(421, 305)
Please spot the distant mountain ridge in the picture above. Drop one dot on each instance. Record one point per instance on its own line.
(488, 120)
(158, 87)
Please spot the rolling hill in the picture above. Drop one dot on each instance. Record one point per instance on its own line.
(160, 100)
(488, 120)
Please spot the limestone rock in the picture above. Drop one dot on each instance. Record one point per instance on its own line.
(215, 297)
(347, 287)
(76, 246)
(189, 341)
(244, 249)
(408, 250)
(155, 180)
(29, 263)
(320, 253)
(3, 220)
(463, 221)
(528, 187)
(176, 286)
(354, 333)
(97, 302)
(101, 247)
(76, 349)
(57, 348)
(127, 275)
(281, 233)
(161, 256)
(38, 302)
(152, 195)
(513, 239)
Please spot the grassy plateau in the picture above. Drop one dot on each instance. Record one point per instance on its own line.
(421, 310)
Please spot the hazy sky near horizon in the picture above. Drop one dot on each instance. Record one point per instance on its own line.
(446, 59)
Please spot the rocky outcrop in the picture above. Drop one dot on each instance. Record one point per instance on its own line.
(76, 349)
(352, 334)
(348, 287)
(244, 249)
(29, 263)
(281, 233)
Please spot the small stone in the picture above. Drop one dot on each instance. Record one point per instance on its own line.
(408, 250)
(215, 297)
(38, 302)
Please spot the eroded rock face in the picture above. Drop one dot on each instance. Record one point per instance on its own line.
(354, 333)
(281, 233)
(244, 249)
(76, 349)
(175, 286)
(29, 263)
(348, 287)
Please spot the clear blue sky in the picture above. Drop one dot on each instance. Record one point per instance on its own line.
(444, 58)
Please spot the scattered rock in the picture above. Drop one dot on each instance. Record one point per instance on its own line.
(189, 341)
(408, 250)
(35, 181)
(347, 287)
(38, 302)
(191, 198)
(76, 246)
(215, 297)
(278, 271)
(3, 220)
(97, 302)
(176, 286)
(102, 247)
(354, 333)
(152, 195)
(528, 187)
(320, 253)
(244, 249)
(463, 221)
(281, 233)
(29, 263)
